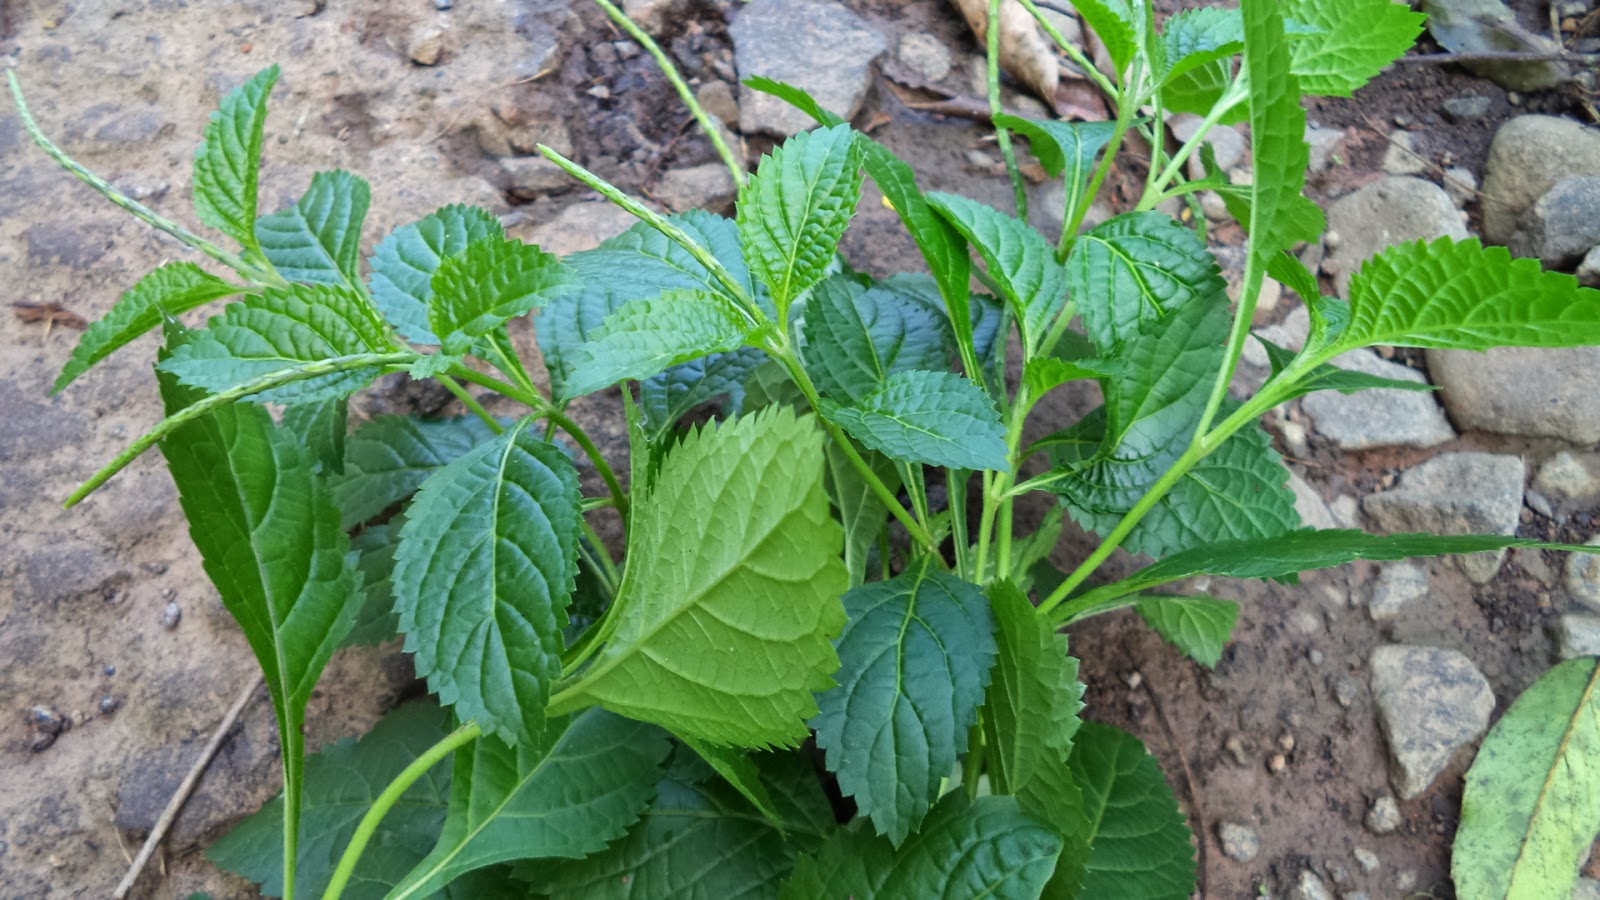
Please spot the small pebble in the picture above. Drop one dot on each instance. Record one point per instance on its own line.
(48, 721)
(1286, 743)
(108, 705)
(1315, 656)
(1240, 843)
(1235, 748)
(1134, 680)
(1345, 691)
(1366, 859)
(1405, 880)
(1276, 763)
(425, 45)
(1384, 817)
(442, 5)
(171, 615)
(110, 670)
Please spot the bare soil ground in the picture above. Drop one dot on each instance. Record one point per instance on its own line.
(105, 700)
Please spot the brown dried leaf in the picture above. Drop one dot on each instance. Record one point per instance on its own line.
(1025, 53)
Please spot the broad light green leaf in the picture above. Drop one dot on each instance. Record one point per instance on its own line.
(858, 335)
(1140, 844)
(860, 511)
(227, 166)
(1197, 37)
(1069, 147)
(318, 240)
(404, 264)
(1021, 263)
(725, 638)
(637, 264)
(282, 329)
(342, 782)
(1029, 718)
(1531, 808)
(1277, 130)
(646, 336)
(984, 848)
(172, 289)
(915, 660)
(529, 801)
(388, 458)
(486, 285)
(794, 209)
(700, 839)
(1135, 269)
(1199, 89)
(321, 427)
(669, 396)
(1352, 41)
(269, 537)
(1198, 626)
(482, 578)
(1467, 296)
(934, 418)
(1118, 24)
(1300, 219)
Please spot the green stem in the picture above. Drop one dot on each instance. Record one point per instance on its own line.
(294, 765)
(608, 573)
(390, 362)
(995, 109)
(1073, 53)
(386, 801)
(955, 481)
(687, 96)
(256, 274)
(471, 403)
(1154, 190)
(1069, 231)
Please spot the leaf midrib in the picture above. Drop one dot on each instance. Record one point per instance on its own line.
(1547, 787)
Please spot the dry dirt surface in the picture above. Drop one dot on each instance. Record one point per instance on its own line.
(116, 657)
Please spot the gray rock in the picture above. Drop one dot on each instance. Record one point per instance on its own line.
(818, 46)
(1308, 503)
(1431, 702)
(1563, 225)
(1240, 843)
(526, 177)
(654, 15)
(1589, 269)
(581, 226)
(1325, 144)
(1577, 635)
(1391, 211)
(1310, 887)
(1367, 860)
(1466, 107)
(717, 98)
(925, 55)
(425, 44)
(1570, 479)
(1586, 889)
(1533, 392)
(1384, 816)
(1225, 142)
(1397, 585)
(1402, 157)
(1461, 185)
(1583, 576)
(1386, 417)
(1476, 26)
(706, 186)
(1456, 493)
(1528, 156)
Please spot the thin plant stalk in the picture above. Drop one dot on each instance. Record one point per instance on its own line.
(1018, 188)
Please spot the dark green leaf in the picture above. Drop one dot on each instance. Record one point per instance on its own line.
(1277, 130)
(489, 283)
(388, 458)
(342, 782)
(857, 336)
(374, 551)
(934, 418)
(915, 660)
(1021, 263)
(1198, 626)
(860, 510)
(404, 264)
(1044, 374)
(1199, 89)
(645, 337)
(319, 238)
(1135, 269)
(172, 289)
(725, 638)
(1196, 37)
(482, 578)
(1118, 24)
(669, 396)
(227, 167)
(530, 801)
(740, 772)
(1069, 147)
(1350, 42)
(796, 206)
(321, 427)
(1140, 844)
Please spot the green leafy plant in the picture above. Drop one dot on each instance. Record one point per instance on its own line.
(630, 728)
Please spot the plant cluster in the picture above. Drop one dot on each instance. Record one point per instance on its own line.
(628, 728)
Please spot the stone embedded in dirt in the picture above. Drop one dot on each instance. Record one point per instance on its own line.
(1384, 816)
(1577, 635)
(1310, 887)
(1388, 417)
(1366, 859)
(717, 99)
(1468, 107)
(1225, 142)
(1391, 211)
(1461, 185)
(706, 186)
(1397, 585)
(529, 177)
(924, 55)
(1308, 503)
(1325, 145)
(1589, 269)
(171, 615)
(1570, 479)
(1240, 842)
(425, 44)
(1403, 157)
(821, 47)
(1431, 703)
(1586, 889)
(581, 226)
(1479, 26)
(1563, 225)
(1527, 391)
(1583, 576)
(1528, 156)
(655, 15)
(1456, 493)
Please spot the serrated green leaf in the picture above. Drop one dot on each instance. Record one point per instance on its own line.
(933, 418)
(321, 427)
(1280, 154)
(1352, 41)
(725, 639)
(914, 662)
(486, 285)
(1197, 37)
(857, 336)
(374, 550)
(172, 289)
(861, 512)
(794, 209)
(404, 264)
(278, 330)
(644, 337)
(483, 575)
(1300, 218)
(228, 164)
(1021, 263)
(669, 396)
(1140, 844)
(342, 782)
(1199, 89)
(940, 244)
(531, 801)
(983, 848)
(269, 537)
(388, 458)
(639, 263)
(1117, 23)
(740, 772)
(1043, 374)
(1135, 269)
(1197, 626)
(1531, 808)
(1332, 378)
(1463, 295)
(318, 240)
(1063, 147)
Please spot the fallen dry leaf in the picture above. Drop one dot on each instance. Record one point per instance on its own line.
(1025, 53)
